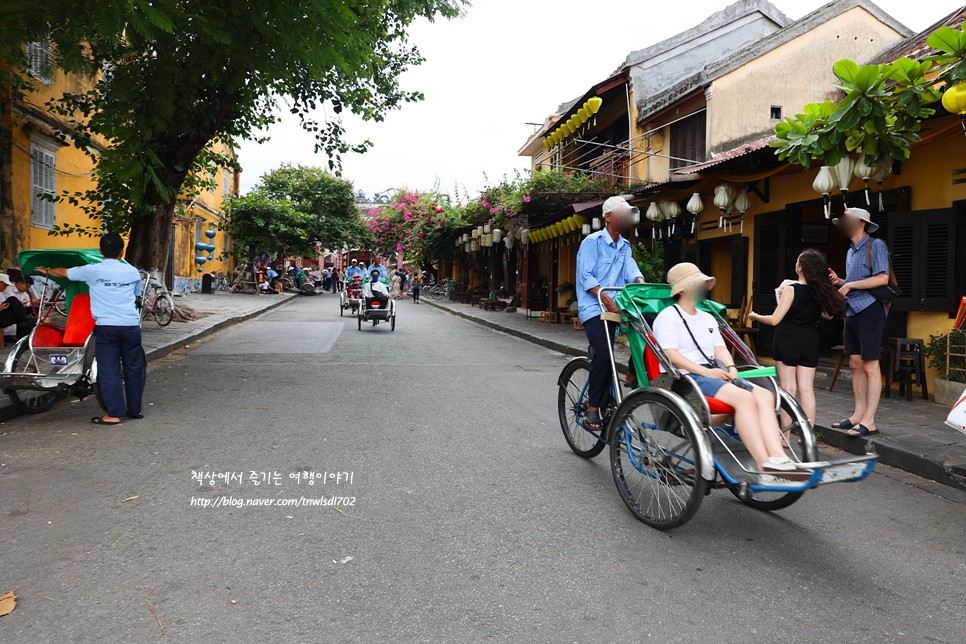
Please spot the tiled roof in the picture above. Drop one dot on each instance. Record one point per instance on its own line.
(915, 46)
(721, 157)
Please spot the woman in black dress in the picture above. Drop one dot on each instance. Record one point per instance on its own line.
(796, 342)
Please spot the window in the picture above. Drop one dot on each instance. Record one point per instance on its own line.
(43, 184)
(39, 61)
(688, 141)
(776, 112)
(922, 246)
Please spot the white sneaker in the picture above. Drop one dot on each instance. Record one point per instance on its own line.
(785, 468)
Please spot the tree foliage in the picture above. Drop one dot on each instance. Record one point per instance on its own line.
(183, 74)
(259, 223)
(882, 108)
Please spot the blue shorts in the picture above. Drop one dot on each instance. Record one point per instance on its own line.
(711, 386)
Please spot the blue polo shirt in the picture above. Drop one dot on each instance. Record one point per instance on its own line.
(857, 268)
(601, 261)
(378, 267)
(113, 285)
(352, 271)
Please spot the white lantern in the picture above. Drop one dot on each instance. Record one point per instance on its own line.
(653, 214)
(467, 247)
(824, 184)
(525, 235)
(497, 235)
(695, 207)
(595, 224)
(508, 242)
(672, 210)
(474, 233)
(842, 171)
(864, 172)
(742, 204)
(882, 169)
(474, 246)
(466, 237)
(486, 228)
(585, 230)
(722, 199)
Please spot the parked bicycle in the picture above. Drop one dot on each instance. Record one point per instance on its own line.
(156, 300)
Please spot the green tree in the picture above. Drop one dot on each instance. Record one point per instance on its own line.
(324, 196)
(184, 74)
(260, 223)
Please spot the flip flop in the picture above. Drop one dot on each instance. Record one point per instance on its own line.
(99, 420)
(845, 423)
(593, 418)
(861, 431)
(136, 416)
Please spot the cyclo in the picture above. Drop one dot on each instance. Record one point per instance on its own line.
(669, 444)
(378, 310)
(54, 358)
(350, 297)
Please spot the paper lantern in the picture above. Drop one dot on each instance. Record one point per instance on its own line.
(474, 246)
(525, 235)
(842, 171)
(695, 207)
(723, 201)
(594, 104)
(565, 131)
(742, 203)
(497, 235)
(585, 230)
(596, 224)
(474, 233)
(486, 228)
(882, 170)
(466, 237)
(583, 115)
(954, 99)
(824, 184)
(863, 171)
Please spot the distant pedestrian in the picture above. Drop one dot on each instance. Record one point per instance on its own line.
(866, 267)
(796, 343)
(337, 280)
(417, 287)
(115, 289)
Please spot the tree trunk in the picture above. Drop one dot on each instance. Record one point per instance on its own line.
(8, 239)
(151, 238)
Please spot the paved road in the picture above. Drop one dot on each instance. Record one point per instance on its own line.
(472, 520)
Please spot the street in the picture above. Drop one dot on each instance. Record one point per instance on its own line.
(467, 518)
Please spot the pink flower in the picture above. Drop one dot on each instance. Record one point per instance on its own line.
(526, 199)
(420, 235)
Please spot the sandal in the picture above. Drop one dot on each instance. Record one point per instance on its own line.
(861, 431)
(845, 423)
(136, 416)
(99, 420)
(593, 421)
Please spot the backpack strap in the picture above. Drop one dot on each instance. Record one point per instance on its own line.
(868, 255)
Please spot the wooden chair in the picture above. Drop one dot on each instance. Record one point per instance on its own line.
(740, 324)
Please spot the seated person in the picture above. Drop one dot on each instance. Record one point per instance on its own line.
(12, 309)
(375, 291)
(693, 342)
(354, 289)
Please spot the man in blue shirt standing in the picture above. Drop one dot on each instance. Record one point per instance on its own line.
(379, 266)
(866, 267)
(354, 269)
(115, 289)
(604, 259)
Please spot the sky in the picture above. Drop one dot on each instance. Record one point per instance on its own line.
(505, 64)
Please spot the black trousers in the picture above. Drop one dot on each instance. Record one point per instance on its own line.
(13, 314)
(599, 388)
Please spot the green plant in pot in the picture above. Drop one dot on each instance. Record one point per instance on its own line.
(945, 352)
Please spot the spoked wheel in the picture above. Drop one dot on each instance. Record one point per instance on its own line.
(797, 450)
(27, 400)
(97, 383)
(163, 310)
(654, 459)
(572, 394)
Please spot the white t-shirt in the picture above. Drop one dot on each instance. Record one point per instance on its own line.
(670, 333)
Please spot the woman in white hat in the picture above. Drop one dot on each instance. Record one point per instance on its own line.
(694, 344)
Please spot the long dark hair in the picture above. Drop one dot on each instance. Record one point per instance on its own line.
(815, 269)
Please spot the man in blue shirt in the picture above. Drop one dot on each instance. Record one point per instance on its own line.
(379, 266)
(354, 269)
(115, 290)
(604, 259)
(866, 267)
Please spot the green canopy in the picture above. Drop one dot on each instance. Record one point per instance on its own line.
(57, 258)
(654, 298)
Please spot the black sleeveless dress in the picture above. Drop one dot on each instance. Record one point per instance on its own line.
(796, 341)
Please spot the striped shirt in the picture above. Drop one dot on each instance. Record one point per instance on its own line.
(857, 268)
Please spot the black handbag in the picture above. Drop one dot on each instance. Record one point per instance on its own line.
(890, 291)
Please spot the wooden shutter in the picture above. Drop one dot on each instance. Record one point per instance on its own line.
(43, 182)
(902, 243)
(739, 270)
(894, 201)
(39, 61)
(938, 261)
(771, 233)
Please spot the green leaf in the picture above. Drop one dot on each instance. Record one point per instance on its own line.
(952, 41)
(846, 70)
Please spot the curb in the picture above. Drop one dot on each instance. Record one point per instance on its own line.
(893, 453)
(9, 412)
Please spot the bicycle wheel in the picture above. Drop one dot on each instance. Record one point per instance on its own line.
(97, 382)
(29, 401)
(797, 450)
(572, 397)
(654, 459)
(163, 309)
(60, 304)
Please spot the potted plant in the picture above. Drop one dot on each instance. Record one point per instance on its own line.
(565, 288)
(946, 355)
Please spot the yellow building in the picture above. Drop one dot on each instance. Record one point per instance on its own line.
(34, 160)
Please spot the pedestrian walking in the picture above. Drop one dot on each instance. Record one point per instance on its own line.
(866, 268)
(797, 342)
(604, 259)
(417, 287)
(336, 280)
(115, 289)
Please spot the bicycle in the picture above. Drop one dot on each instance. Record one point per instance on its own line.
(155, 299)
(219, 283)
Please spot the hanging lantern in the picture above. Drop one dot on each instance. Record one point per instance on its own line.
(596, 223)
(466, 237)
(742, 204)
(723, 201)
(508, 242)
(824, 184)
(695, 207)
(594, 104)
(474, 246)
(497, 235)
(672, 210)
(954, 100)
(653, 215)
(864, 172)
(585, 229)
(564, 131)
(842, 171)
(881, 171)
(525, 235)
(583, 115)
(486, 228)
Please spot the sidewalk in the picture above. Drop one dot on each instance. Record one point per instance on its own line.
(220, 310)
(913, 435)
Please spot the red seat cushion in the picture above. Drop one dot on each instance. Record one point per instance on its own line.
(48, 335)
(651, 364)
(80, 322)
(718, 407)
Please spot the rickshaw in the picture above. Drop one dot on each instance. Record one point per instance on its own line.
(54, 359)
(350, 299)
(377, 312)
(669, 444)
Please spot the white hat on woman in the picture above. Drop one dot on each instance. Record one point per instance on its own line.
(685, 276)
